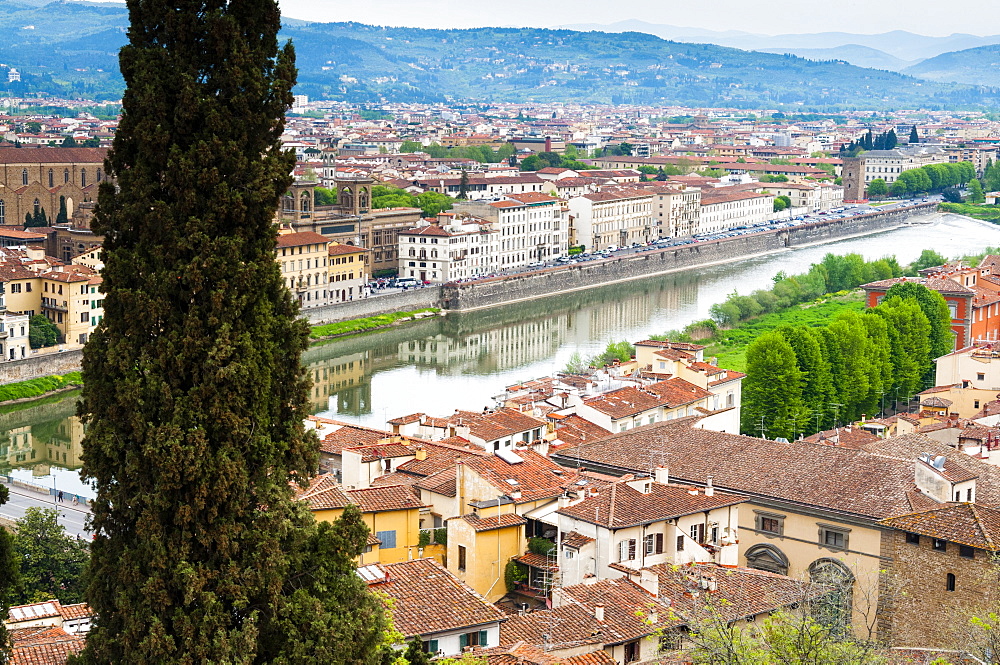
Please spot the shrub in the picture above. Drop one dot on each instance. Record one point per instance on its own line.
(540, 546)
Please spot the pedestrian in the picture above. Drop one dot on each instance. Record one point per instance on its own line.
(60, 496)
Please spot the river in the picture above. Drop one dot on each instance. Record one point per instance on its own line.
(463, 359)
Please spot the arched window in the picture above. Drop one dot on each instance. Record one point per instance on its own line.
(834, 609)
(38, 206)
(288, 203)
(83, 177)
(3, 212)
(305, 201)
(65, 176)
(52, 178)
(767, 557)
(24, 176)
(950, 584)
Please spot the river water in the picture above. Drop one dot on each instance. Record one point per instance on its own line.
(460, 361)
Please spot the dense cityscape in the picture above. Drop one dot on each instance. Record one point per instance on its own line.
(532, 359)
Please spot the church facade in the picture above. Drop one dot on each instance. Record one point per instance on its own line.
(37, 179)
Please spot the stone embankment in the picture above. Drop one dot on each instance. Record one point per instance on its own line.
(552, 281)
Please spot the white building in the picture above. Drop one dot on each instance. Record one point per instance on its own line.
(677, 208)
(13, 333)
(449, 248)
(614, 217)
(722, 210)
(532, 227)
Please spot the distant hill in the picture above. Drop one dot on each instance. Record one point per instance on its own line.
(975, 65)
(906, 46)
(862, 56)
(71, 47)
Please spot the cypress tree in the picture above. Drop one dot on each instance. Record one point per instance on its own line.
(914, 138)
(194, 394)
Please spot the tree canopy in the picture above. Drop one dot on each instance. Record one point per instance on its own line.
(51, 563)
(194, 394)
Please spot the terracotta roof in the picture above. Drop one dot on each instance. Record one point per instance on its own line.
(629, 401)
(619, 505)
(51, 647)
(536, 477)
(539, 561)
(338, 249)
(427, 599)
(964, 523)
(14, 234)
(575, 540)
(573, 430)
(383, 499)
(520, 653)
(302, 238)
(502, 521)
(11, 156)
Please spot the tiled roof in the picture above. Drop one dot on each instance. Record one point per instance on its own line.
(536, 477)
(52, 155)
(539, 561)
(302, 238)
(964, 523)
(52, 646)
(575, 540)
(428, 599)
(18, 613)
(573, 430)
(77, 611)
(629, 401)
(382, 499)
(502, 521)
(870, 482)
(619, 505)
(526, 654)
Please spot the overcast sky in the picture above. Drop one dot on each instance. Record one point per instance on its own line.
(928, 17)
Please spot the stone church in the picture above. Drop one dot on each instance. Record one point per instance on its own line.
(35, 179)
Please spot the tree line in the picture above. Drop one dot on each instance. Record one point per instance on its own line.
(927, 178)
(803, 380)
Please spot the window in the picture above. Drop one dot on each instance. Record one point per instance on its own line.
(65, 176)
(966, 552)
(653, 543)
(24, 176)
(476, 638)
(626, 550)
(431, 646)
(83, 177)
(975, 404)
(833, 536)
(981, 376)
(3, 213)
(387, 539)
(698, 533)
(950, 583)
(913, 538)
(461, 558)
(939, 545)
(52, 178)
(770, 523)
(680, 543)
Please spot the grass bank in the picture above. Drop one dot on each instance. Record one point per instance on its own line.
(730, 346)
(368, 323)
(989, 213)
(38, 387)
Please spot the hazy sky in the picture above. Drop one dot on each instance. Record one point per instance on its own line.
(928, 17)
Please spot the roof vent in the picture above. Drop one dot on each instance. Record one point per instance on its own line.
(509, 457)
(938, 462)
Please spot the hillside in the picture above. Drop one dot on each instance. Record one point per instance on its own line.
(856, 54)
(975, 65)
(69, 47)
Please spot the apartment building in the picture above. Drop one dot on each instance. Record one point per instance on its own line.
(614, 217)
(449, 248)
(304, 261)
(532, 227)
(887, 165)
(723, 209)
(348, 272)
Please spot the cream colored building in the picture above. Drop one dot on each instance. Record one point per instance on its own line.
(614, 217)
(303, 259)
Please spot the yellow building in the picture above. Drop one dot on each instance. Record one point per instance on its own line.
(303, 259)
(392, 514)
(348, 272)
(69, 298)
(480, 547)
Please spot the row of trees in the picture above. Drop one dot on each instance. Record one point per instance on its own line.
(384, 196)
(803, 380)
(481, 153)
(928, 178)
(834, 273)
(884, 141)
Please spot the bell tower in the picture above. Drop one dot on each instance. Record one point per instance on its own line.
(354, 194)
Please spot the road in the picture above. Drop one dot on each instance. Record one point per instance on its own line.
(71, 518)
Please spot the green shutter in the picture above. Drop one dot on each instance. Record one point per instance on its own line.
(463, 640)
(482, 638)
(432, 647)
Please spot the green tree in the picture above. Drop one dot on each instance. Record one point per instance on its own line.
(410, 146)
(42, 332)
(879, 363)
(817, 383)
(52, 564)
(463, 186)
(928, 259)
(877, 189)
(415, 654)
(62, 217)
(914, 138)
(69, 142)
(781, 203)
(9, 568)
(432, 203)
(625, 148)
(772, 390)
(324, 197)
(909, 343)
(976, 191)
(848, 350)
(194, 393)
(935, 308)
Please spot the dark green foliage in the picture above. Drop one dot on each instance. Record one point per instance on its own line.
(877, 188)
(8, 578)
(909, 344)
(62, 217)
(69, 142)
(540, 546)
(324, 197)
(935, 308)
(463, 186)
(42, 332)
(36, 219)
(513, 573)
(928, 259)
(817, 383)
(194, 391)
(933, 178)
(51, 563)
(914, 138)
(415, 654)
(772, 401)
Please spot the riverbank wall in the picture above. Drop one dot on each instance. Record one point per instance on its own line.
(554, 281)
(406, 301)
(33, 367)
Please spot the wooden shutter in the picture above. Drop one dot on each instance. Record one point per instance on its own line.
(463, 641)
(631, 549)
(659, 543)
(432, 647)
(482, 638)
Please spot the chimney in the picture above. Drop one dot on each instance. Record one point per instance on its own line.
(548, 144)
(662, 475)
(599, 612)
(650, 581)
(421, 454)
(709, 488)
